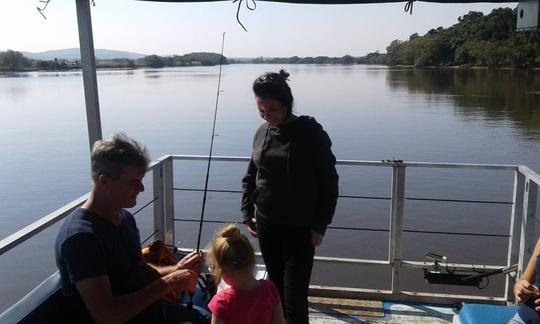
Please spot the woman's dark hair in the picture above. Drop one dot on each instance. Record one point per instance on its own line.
(273, 85)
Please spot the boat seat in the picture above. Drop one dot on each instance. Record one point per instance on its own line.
(486, 314)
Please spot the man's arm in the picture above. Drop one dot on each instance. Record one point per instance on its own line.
(106, 308)
(193, 261)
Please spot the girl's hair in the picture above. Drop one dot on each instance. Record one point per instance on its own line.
(230, 251)
(273, 85)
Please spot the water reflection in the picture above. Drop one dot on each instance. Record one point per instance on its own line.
(494, 95)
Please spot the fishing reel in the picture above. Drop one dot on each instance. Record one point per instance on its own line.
(441, 274)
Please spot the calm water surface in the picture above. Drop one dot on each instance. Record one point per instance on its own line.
(371, 113)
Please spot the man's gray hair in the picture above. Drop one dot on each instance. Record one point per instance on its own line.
(110, 157)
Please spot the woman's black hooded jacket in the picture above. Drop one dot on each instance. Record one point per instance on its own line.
(291, 177)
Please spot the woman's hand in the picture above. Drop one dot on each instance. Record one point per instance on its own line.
(316, 238)
(523, 290)
(252, 226)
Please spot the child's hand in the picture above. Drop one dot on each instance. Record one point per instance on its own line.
(524, 290)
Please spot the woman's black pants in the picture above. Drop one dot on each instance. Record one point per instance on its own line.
(288, 255)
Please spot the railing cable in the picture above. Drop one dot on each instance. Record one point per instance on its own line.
(457, 233)
(146, 205)
(149, 237)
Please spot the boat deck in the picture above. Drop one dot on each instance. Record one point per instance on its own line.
(341, 310)
(387, 312)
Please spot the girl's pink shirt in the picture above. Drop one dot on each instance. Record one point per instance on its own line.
(246, 306)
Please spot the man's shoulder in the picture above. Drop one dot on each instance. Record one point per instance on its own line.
(79, 223)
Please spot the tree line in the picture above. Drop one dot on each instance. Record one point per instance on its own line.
(476, 40)
(347, 59)
(15, 61)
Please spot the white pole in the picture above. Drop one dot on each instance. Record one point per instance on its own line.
(88, 62)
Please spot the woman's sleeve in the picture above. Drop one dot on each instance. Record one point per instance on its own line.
(327, 179)
(248, 186)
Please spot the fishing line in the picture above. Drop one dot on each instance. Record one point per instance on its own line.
(211, 145)
(238, 10)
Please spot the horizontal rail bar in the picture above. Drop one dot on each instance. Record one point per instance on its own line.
(368, 163)
(462, 200)
(160, 160)
(530, 174)
(29, 231)
(461, 166)
(456, 233)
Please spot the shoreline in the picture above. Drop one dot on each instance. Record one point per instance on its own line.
(432, 67)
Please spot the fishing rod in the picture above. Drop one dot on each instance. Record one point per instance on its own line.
(191, 294)
(211, 145)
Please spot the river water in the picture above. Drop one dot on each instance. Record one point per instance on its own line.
(370, 112)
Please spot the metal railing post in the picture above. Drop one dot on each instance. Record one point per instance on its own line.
(515, 227)
(527, 238)
(168, 200)
(159, 217)
(396, 223)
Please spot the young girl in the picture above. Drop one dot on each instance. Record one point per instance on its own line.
(247, 300)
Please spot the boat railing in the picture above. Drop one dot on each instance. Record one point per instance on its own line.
(521, 236)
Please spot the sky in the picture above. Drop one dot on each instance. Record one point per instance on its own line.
(274, 29)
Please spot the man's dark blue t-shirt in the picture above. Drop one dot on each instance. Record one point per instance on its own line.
(89, 246)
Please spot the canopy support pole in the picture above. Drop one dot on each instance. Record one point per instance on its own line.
(88, 62)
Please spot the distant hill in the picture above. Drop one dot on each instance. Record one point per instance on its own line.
(74, 54)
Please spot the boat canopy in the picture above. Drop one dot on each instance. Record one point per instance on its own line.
(335, 1)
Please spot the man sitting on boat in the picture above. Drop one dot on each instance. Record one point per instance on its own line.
(104, 276)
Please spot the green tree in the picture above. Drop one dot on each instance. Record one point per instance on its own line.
(347, 59)
(392, 52)
(153, 61)
(13, 60)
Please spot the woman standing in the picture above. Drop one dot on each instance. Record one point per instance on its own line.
(289, 191)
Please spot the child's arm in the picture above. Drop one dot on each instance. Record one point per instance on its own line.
(217, 320)
(277, 315)
(524, 289)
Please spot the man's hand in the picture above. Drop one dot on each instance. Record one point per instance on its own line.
(193, 261)
(172, 297)
(180, 281)
(316, 238)
(523, 290)
(252, 226)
